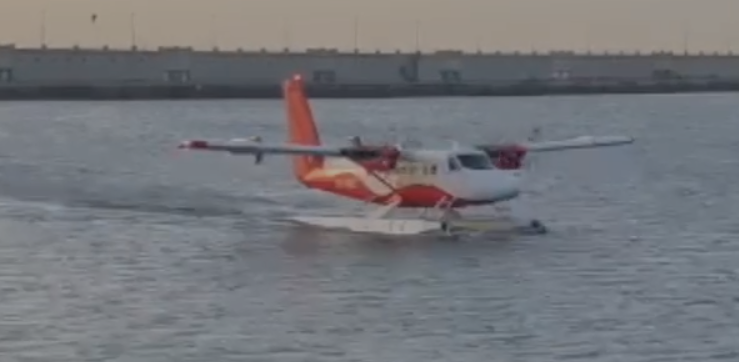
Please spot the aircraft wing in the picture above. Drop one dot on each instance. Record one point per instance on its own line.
(241, 147)
(509, 156)
(259, 150)
(578, 142)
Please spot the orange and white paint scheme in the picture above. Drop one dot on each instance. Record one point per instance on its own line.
(392, 175)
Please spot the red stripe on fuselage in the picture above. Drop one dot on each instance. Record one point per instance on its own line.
(349, 185)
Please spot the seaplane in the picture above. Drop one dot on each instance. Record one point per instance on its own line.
(434, 183)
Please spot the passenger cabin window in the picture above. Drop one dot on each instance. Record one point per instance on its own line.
(416, 169)
(475, 162)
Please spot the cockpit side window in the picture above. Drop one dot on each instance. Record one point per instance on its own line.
(475, 162)
(453, 165)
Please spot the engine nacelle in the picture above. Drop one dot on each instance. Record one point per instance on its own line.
(507, 157)
(386, 161)
(374, 158)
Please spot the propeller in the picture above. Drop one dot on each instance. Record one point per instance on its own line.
(259, 156)
(534, 136)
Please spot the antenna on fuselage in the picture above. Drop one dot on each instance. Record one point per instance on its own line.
(535, 134)
(355, 141)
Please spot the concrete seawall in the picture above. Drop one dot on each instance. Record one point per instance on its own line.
(171, 73)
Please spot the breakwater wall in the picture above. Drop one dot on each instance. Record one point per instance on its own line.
(167, 73)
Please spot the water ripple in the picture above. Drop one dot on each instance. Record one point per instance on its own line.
(116, 247)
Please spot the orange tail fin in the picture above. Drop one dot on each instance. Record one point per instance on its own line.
(301, 126)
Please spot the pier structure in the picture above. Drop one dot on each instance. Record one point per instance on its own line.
(181, 72)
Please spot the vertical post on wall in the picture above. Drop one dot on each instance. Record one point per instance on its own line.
(93, 26)
(132, 28)
(43, 29)
(356, 33)
(686, 37)
(286, 33)
(213, 32)
(418, 46)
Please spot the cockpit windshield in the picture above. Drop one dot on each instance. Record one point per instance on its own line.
(475, 162)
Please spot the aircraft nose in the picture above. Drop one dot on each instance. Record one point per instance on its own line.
(505, 187)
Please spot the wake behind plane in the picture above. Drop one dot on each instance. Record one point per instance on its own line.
(437, 182)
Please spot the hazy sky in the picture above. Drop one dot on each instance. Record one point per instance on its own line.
(385, 24)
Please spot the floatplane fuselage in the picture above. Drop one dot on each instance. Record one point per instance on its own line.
(396, 177)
